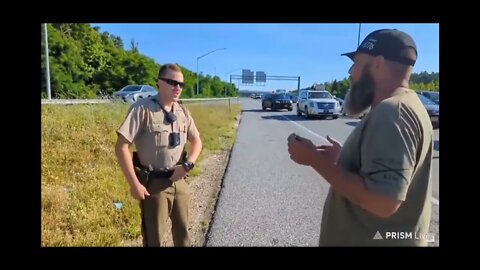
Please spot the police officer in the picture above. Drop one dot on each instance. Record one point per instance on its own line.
(160, 127)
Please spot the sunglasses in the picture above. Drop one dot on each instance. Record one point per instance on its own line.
(173, 82)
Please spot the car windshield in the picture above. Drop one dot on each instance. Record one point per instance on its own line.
(425, 100)
(319, 95)
(280, 96)
(132, 88)
(149, 88)
(434, 96)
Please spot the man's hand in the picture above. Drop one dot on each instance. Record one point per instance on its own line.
(139, 191)
(301, 150)
(330, 152)
(178, 173)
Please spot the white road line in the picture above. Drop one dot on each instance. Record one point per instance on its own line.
(434, 200)
(306, 129)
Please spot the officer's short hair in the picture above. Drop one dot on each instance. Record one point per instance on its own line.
(164, 69)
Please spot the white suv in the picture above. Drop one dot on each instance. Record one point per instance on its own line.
(318, 103)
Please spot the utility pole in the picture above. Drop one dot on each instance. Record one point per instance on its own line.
(47, 62)
(359, 28)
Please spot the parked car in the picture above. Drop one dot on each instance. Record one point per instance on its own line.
(340, 101)
(317, 103)
(293, 98)
(276, 102)
(433, 110)
(132, 93)
(433, 96)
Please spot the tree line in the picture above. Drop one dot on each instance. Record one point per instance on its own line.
(418, 81)
(87, 63)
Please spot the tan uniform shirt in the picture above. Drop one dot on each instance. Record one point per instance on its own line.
(146, 126)
(392, 150)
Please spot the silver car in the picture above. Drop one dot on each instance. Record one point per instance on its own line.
(132, 93)
(433, 96)
(432, 109)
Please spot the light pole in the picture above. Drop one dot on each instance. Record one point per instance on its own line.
(198, 58)
(359, 28)
(47, 63)
(225, 89)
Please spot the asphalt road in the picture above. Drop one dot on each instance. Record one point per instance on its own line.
(267, 199)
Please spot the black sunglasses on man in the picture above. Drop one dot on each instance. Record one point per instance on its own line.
(173, 82)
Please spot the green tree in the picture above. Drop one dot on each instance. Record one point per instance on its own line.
(86, 63)
(334, 87)
(67, 67)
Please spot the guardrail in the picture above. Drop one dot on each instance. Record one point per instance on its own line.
(96, 101)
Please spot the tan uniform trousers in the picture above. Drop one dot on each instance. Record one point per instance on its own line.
(167, 200)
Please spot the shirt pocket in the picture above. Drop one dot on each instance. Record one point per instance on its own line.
(160, 133)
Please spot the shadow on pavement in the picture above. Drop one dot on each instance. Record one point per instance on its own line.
(290, 117)
(277, 117)
(253, 110)
(352, 123)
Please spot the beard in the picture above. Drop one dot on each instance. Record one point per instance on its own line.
(360, 96)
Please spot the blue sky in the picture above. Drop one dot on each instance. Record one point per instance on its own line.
(311, 51)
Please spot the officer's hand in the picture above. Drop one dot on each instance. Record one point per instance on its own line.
(139, 191)
(330, 152)
(178, 173)
(301, 150)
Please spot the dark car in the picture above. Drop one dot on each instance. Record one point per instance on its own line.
(432, 109)
(293, 98)
(276, 102)
(433, 96)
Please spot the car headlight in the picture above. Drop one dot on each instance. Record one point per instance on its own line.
(277, 101)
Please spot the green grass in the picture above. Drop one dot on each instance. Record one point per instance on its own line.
(81, 178)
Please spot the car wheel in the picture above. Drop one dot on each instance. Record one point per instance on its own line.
(306, 113)
(299, 113)
(335, 117)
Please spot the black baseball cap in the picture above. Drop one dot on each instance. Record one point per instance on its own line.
(392, 44)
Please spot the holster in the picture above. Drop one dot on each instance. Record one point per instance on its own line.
(145, 174)
(141, 172)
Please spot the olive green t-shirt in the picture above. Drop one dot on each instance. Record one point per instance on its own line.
(391, 148)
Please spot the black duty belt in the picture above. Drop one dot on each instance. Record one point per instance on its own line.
(160, 174)
(151, 174)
